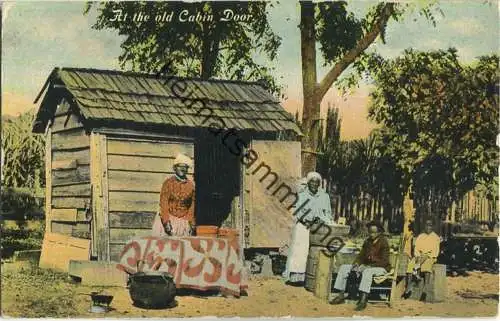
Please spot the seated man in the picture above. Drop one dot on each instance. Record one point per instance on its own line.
(425, 254)
(373, 260)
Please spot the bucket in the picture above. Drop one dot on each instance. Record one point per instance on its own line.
(228, 233)
(311, 265)
(206, 230)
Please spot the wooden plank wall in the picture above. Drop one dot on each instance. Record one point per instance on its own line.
(69, 174)
(137, 169)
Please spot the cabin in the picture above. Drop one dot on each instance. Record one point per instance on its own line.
(112, 136)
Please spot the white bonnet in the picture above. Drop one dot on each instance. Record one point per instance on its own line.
(313, 175)
(183, 159)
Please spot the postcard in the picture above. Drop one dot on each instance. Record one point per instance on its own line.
(249, 159)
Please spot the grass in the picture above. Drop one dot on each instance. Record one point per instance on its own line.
(32, 292)
(29, 291)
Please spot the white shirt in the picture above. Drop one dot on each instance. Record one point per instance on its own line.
(317, 206)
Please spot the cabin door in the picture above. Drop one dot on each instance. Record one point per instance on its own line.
(269, 183)
(217, 173)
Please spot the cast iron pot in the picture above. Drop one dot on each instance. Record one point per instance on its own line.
(152, 290)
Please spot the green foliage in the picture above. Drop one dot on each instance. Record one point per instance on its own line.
(20, 239)
(440, 120)
(19, 204)
(24, 152)
(337, 29)
(203, 49)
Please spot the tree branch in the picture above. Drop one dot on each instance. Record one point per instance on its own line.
(350, 56)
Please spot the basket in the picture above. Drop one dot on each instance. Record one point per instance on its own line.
(206, 230)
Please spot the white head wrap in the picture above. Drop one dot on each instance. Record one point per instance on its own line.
(183, 159)
(313, 175)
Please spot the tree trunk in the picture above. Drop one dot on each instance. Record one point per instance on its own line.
(210, 46)
(311, 108)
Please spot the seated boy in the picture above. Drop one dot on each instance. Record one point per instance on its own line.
(425, 255)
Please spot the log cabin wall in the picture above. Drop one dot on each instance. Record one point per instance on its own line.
(136, 170)
(70, 175)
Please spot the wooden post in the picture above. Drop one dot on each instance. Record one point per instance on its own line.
(323, 276)
(438, 281)
(479, 209)
(483, 209)
(453, 211)
(468, 207)
(103, 154)
(48, 178)
(99, 177)
(95, 186)
(401, 246)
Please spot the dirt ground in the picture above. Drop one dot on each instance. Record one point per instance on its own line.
(266, 297)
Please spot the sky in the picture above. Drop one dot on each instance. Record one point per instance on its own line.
(38, 36)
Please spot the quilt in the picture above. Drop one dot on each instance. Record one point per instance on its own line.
(201, 263)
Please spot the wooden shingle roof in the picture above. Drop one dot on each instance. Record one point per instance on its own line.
(150, 99)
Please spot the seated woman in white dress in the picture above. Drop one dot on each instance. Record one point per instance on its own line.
(313, 203)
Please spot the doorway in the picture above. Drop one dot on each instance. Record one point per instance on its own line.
(217, 175)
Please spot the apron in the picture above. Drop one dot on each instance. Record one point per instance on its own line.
(297, 256)
(158, 230)
(180, 227)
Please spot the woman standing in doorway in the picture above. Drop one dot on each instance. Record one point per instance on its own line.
(177, 198)
(313, 204)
